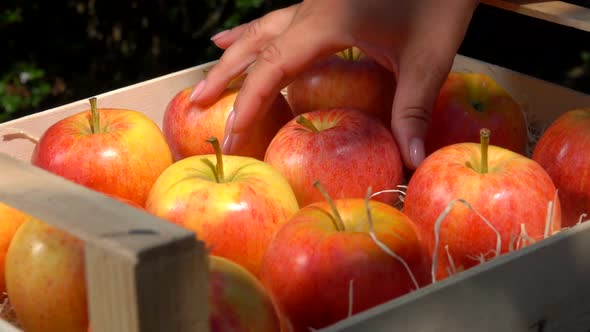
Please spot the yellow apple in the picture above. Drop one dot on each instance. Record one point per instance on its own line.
(233, 203)
(10, 220)
(45, 278)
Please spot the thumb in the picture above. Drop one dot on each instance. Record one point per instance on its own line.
(418, 84)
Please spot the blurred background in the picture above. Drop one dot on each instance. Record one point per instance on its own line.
(55, 52)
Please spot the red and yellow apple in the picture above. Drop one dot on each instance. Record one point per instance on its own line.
(237, 299)
(323, 266)
(348, 79)
(114, 151)
(10, 221)
(468, 102)
(45, 279)
(233, 203)
(187, 125)
(563, 151)
(512, 192)
(346, 150)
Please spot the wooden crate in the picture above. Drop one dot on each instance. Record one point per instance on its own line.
(560, 12)
(144, 274)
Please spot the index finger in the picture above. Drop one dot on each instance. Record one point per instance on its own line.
(278, 64)
(246, 42)
(275, 67)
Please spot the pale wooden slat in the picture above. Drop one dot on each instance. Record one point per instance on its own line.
(553, 11)
(143, 273)
(177, 305)
(543, 288)
(7, 327)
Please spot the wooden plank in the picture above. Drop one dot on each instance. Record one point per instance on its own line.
(559, 12)
(543, 287)
(143, 273)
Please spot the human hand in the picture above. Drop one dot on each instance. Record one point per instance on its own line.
(416, 40)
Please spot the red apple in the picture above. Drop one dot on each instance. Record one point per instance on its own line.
(509, 190)
(45, 279)
(233, 203)
(468, 102)
(348, 79)
(114, 151)
(10, 221)
(323, 265)
(187, 125)
(237, 300)
(563, 151)
(345, 149)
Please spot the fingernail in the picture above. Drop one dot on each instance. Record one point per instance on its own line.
(416, 147)
(219, 35)
(227, 140)
(197, 91)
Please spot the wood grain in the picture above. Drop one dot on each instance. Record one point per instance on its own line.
(541, 288)
(559, 12)
(143, 273)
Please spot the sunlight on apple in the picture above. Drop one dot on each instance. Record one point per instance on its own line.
(562, 152)
(301, 260)
(108, 153)
(236, 207)
(37, 248)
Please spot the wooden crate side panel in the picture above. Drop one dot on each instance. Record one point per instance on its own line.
(542, 288)
(559, 12)
(150, 97)
(142, 272)
(89, 215)
(178, 304)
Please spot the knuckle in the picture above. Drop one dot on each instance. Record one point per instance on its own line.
(254, 29)
(413, 111)
(271, 54)
(417, 113)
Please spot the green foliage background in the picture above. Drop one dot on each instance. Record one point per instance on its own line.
(55, 52)
(59, 51)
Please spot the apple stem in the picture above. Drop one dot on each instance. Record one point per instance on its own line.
(344, 55)
(337, 219)
(484, 135)
(351, 54)
(94, 116)
(219, 176)
(306, 123)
